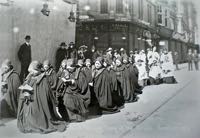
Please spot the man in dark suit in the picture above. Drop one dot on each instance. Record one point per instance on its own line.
(24, 55)
(73, 53)
(61, 54)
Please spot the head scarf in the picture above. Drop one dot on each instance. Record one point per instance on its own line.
(100, 59)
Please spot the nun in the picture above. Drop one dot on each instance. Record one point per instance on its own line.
(10, 82)
(36, 111)
(102, 87)
(124, 80)
(74, 90)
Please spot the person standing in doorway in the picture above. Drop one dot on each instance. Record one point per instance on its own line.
(190, 59)
(24, 55)
(196, 59)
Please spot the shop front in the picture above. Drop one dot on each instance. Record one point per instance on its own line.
(115, 34)
(165, 38)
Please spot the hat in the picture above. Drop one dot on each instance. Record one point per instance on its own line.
(80, 62)
(47, 62)
(7, 63)
(70, 62)
(71, 43)
(125, 58)
(100, 59)
(115, 50)
(119, 58)
(63, 44)
(83, 46)
(109, 49)
(88, 60)
(35, 65)
(130, 58)
(27, 37)
(131, 52)
(142, 51)
(64, 62)
(122, 49)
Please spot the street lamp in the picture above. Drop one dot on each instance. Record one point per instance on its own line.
(45, 10)
(72, 17)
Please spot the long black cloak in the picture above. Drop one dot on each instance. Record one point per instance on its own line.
(37, 115)
(103, 89)
(125, 82)
(9, 102)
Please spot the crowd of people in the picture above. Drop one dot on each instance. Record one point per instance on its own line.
(83, 83)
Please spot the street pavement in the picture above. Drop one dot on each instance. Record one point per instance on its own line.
(163, 111)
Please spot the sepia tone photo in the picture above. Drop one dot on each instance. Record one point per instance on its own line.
(99, 69)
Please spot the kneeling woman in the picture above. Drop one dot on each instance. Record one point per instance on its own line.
(73, 88)
(102, 87)
(126, 81)
(36, 108)
(9, 90)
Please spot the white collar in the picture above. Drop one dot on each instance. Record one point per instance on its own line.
(27, 44)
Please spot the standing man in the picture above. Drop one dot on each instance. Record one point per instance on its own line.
(196, 59)
(24, 55)
(190, 59)
(73, 53)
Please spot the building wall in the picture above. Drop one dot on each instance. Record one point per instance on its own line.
(187, 19)
(130, 10)
(132, 13)
(24, 18)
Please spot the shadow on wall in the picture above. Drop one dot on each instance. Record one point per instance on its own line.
(24, 17)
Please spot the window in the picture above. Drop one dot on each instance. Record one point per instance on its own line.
(159, 18)
(166, 22)
(159, 8)
(131, 7)
(119, 6)
(160, 14)
(104, 6)
(165, 12)
(166, 17)
(140, 9)
(149, 13)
